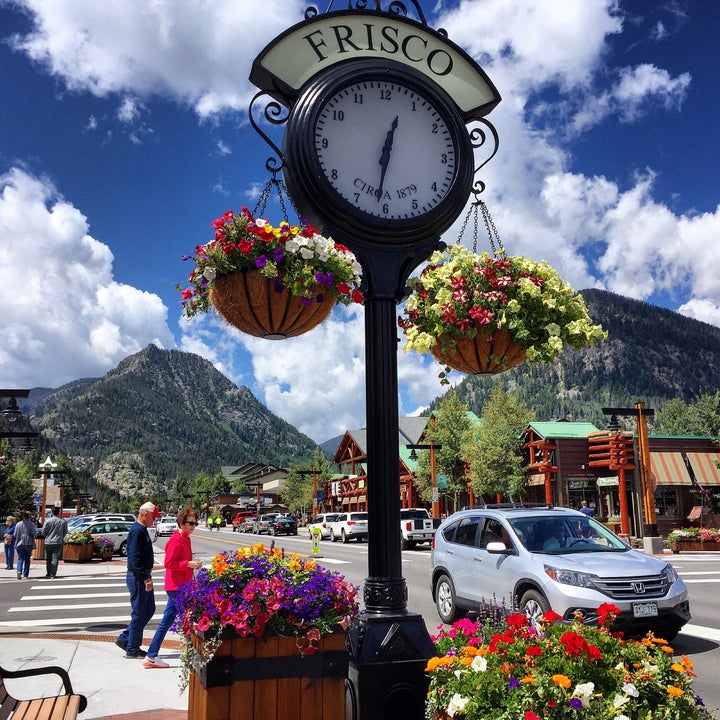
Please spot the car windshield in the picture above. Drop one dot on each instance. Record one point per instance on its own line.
(557, 535)
(414, 514)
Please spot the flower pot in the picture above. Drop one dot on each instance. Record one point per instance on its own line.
(78, 553)
(38, 552)
(485, 353)
(697, 545)
(250, 302)
(267, 678)
(104, 552)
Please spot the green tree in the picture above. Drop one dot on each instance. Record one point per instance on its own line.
(297, 492)
(448, 427)
(16, 488)
(494, 455)
(699, 417)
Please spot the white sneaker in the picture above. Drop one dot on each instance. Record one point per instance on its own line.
(155, 662)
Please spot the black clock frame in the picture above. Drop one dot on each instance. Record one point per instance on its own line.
(321, 203)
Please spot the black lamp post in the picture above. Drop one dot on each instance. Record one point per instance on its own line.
(11, 415)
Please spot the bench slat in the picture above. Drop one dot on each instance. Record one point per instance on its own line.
(62, 707)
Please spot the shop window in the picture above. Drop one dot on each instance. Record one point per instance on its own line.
(666, 501)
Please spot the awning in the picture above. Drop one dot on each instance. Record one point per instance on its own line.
(704, 465)
(669, 468)
(536, 479)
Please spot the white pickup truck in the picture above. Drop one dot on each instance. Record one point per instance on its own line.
(416, 526)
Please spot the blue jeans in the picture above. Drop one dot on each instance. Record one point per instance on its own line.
(162, 629)
(10, 556)
(24, 553)
(142, 608)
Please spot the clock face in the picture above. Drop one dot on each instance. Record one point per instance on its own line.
(386, 148)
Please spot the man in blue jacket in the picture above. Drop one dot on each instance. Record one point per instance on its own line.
(140, 561)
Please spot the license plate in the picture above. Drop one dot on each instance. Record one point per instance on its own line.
(646, 609)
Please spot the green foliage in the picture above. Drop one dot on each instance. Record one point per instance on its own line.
(494, 455)
(699, 417)
(451, 424)
(297, 493)
(16, 489)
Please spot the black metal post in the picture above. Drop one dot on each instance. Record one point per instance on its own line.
(389, 646)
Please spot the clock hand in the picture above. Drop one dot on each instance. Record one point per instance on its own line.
(385, 156)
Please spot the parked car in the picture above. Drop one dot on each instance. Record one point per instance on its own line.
(240, 518)
(166, 526)
(349, 526)
(116, 530)
(535, 559)
(323, 522)
(260, 526)
(416, 526)
(88, 520)
(283, 525)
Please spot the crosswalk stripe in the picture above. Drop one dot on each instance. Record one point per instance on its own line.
(79, 606)
(75, 596)
(83, 621)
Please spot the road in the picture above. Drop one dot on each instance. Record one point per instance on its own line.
(99, 604)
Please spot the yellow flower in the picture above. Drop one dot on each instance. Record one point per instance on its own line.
(677, 667)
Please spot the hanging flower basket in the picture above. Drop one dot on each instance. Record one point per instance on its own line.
(487, 352)
(256, 306)
(485, 314)
(271, 282)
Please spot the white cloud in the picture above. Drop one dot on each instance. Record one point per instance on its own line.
(187, 51)
(63, 316)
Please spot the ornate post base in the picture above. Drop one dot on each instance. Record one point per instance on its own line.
(388, 655)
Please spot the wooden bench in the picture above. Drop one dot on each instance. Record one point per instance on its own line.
(60, 707)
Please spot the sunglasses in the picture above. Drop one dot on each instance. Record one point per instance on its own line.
(192, 523)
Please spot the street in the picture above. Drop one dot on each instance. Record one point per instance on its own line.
(99, 603)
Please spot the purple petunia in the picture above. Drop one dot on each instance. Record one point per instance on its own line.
(261, 261)
(576, 703)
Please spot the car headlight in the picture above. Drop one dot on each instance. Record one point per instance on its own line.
(570, 577)
(670, 574)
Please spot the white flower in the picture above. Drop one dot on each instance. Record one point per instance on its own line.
(630, 689)
(479, 663)
(584, 691)
(621, 717)
(620, 700)
(209, 273)
(457, 704)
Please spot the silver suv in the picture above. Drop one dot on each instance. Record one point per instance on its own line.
(535, 559)
(349, 526)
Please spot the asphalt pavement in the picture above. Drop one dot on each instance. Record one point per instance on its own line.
(116, 688)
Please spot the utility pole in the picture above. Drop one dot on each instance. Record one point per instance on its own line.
(432, 446)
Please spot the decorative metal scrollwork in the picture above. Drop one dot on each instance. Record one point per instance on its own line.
(276, 114)
(394, 7)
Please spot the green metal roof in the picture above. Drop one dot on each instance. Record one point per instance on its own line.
(563, 429)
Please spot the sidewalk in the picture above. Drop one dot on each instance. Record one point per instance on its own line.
(116, 688)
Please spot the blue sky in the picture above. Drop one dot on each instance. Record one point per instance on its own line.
(124, 133)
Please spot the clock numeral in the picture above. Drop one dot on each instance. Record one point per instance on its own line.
(324, 143)
(414, 204)
(338, 115)
(444, 159)
(386, 209)
(358, 98)
(434, 128)
(434, 187)
(386, 94)
(334, 174)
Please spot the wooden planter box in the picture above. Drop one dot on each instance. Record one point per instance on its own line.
(268, 679)
(38, 552)
(78, 553)
(695, 545)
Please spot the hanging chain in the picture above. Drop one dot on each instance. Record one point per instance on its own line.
(495, 243)
(265, 196)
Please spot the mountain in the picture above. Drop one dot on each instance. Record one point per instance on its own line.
(652, 355)
(158, 416)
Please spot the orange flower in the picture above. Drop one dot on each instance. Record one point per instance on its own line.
(674, 691)
(528, 679)
(562, 681)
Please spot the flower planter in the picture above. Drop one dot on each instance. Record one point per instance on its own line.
(695, 545)
(267, 678)
(77, 553)
(486, 353)
(103, 553)
(249, 302)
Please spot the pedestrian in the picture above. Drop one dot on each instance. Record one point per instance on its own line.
(585, 509)
(54, 530)
(179, 566)
(9, 542)
(140, 561)
(25, 533)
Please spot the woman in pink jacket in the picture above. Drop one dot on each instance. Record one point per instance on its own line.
(179, 566)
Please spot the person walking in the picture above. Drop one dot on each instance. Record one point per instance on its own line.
(585, 509)
(25, 533)
(54, 530)
(9, 542)
(140, 561)
(179, 566)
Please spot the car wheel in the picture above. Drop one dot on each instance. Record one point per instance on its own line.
(122, 550)
(332, 536)
(343, 536)
(295, 532)
(404, 545)
(534, 605)
(445, 600)
(271, 531)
